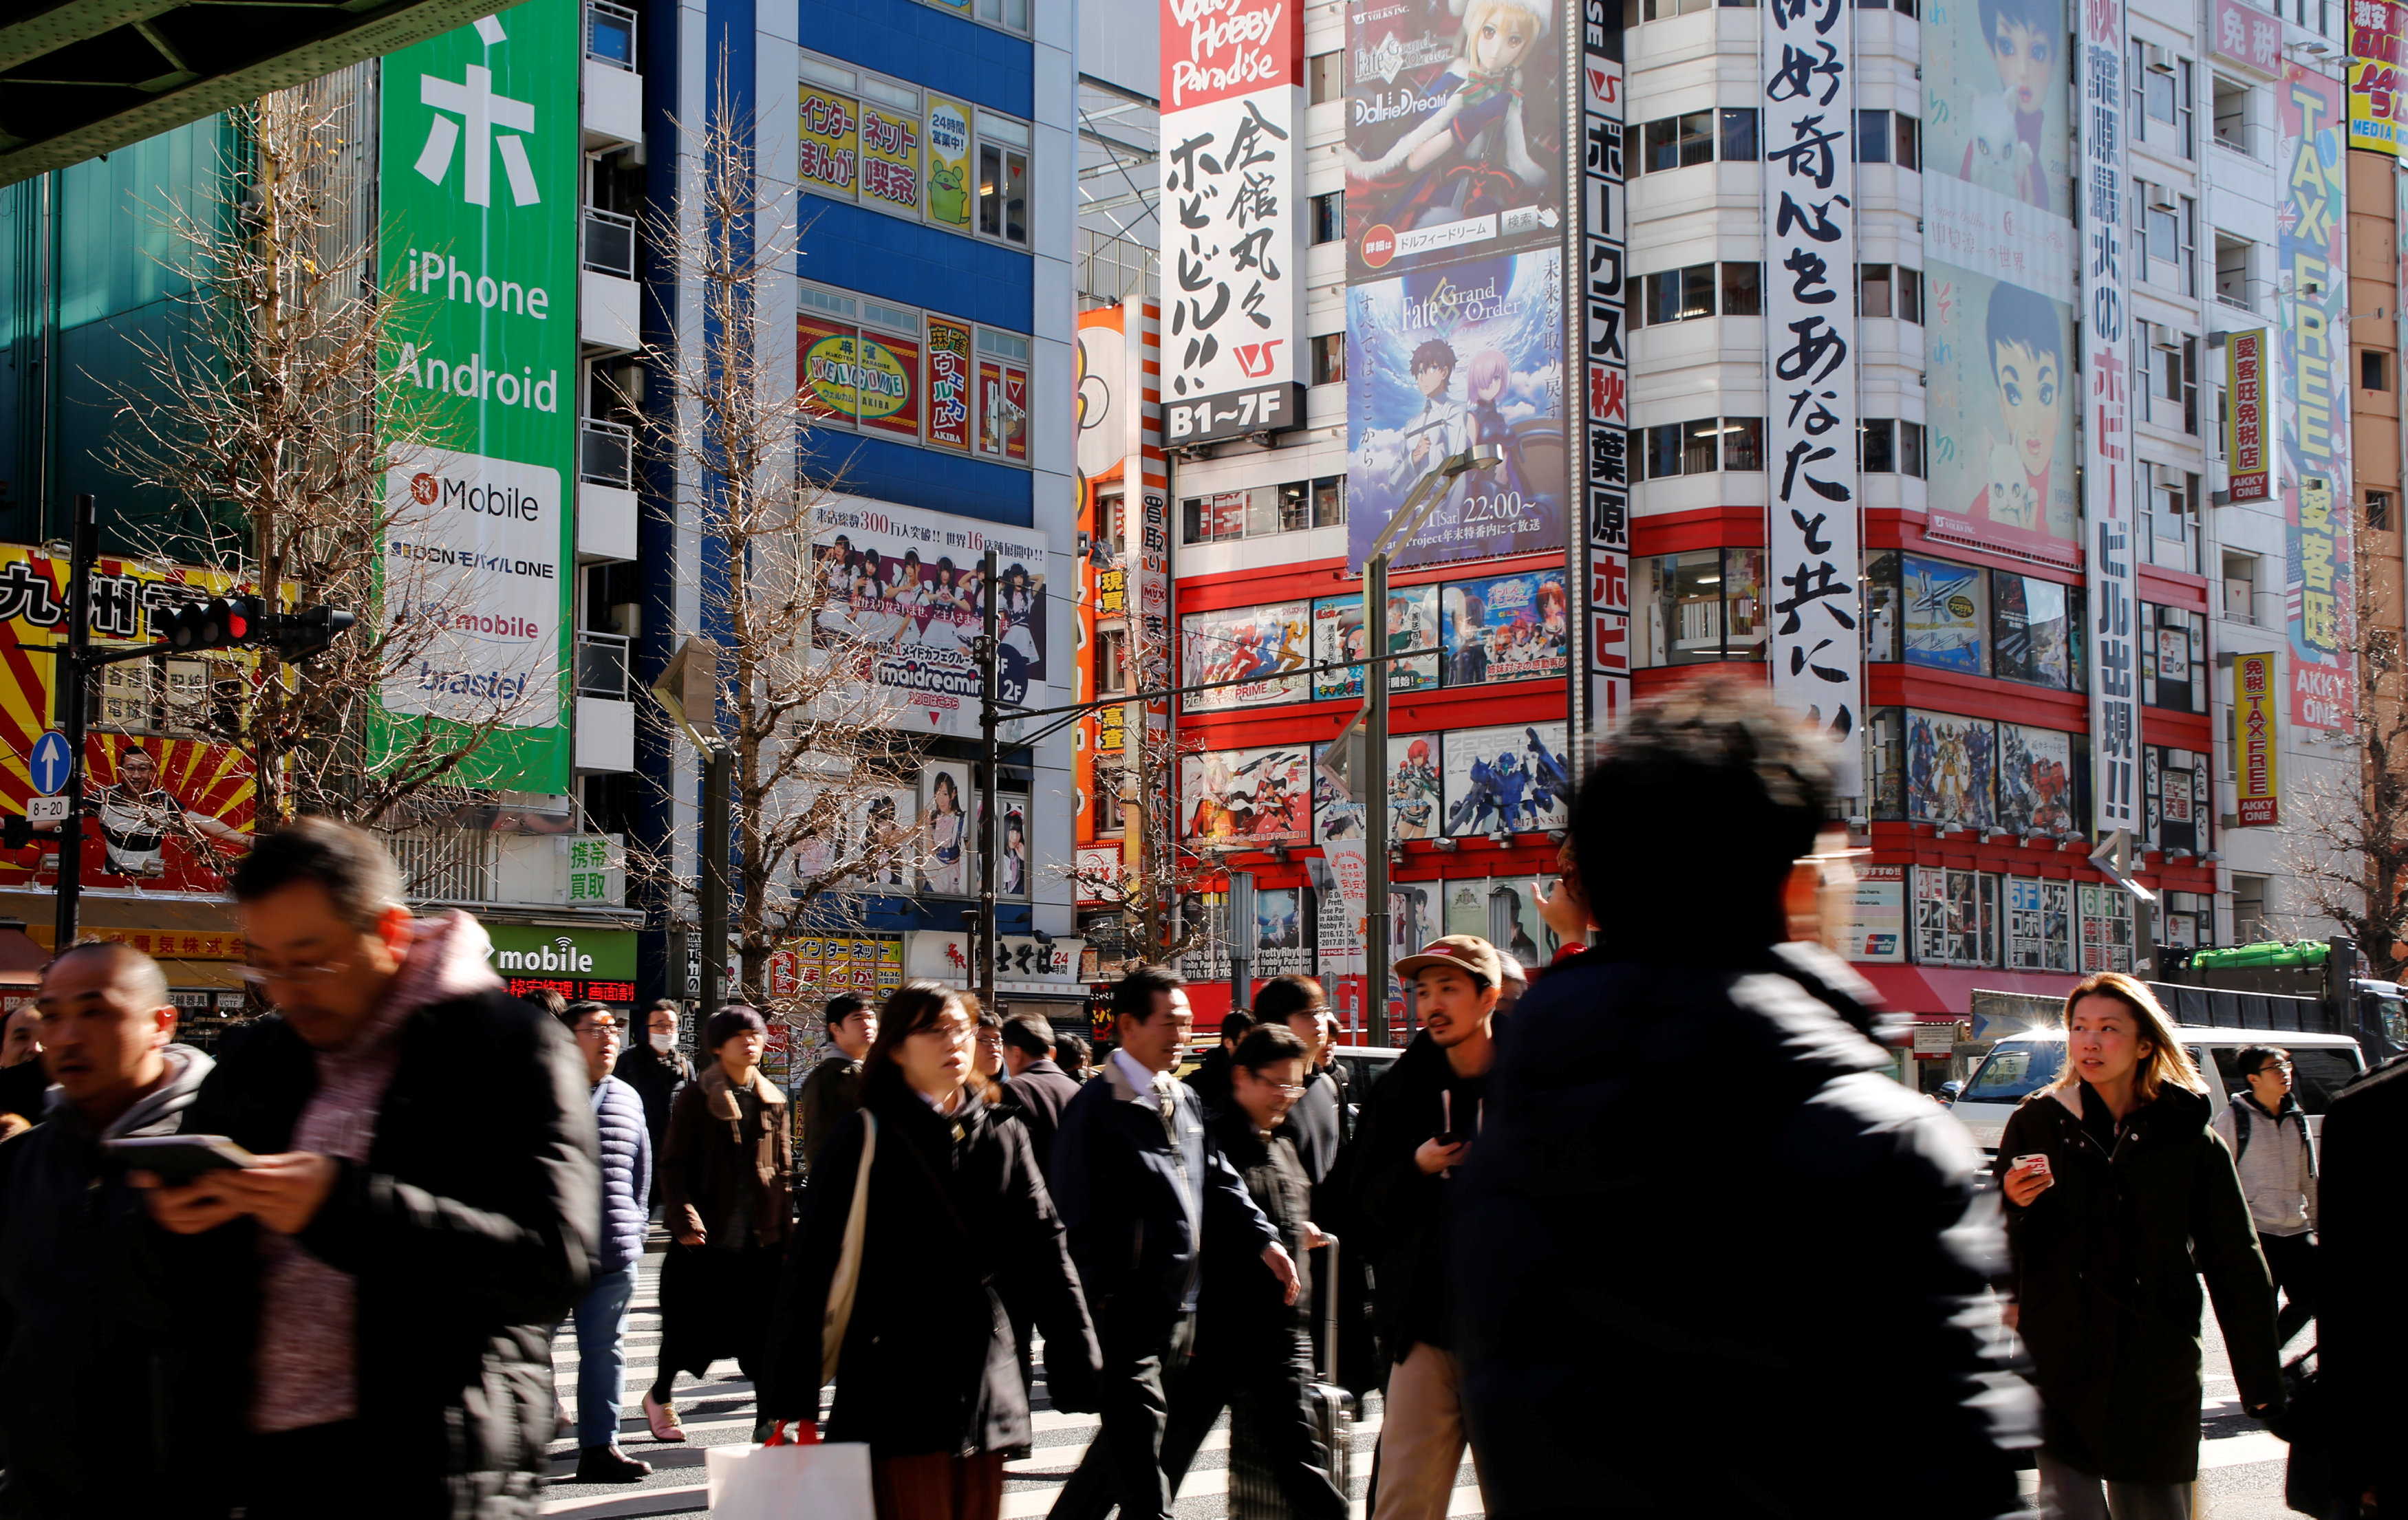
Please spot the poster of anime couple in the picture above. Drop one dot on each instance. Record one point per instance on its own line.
(1462, 359)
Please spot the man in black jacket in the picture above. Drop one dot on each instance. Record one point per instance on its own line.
(656, 1068)
(423, 1208)
(102, 1347)
(1418, 1127)
(1250, 1333)
(1039, 1089)
(1140, 1184)
(1317, 1123)
(1665, 1311)
(1211, 1078)
(833, 1089)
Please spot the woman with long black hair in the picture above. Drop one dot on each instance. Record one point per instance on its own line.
(913, 1280)
(2119, 1200)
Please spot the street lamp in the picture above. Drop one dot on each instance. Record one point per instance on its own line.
(1370, 779)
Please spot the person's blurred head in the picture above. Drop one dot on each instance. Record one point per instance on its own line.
(1027, 1039)
(852, 1024)
(1511, 983)
(1267, 1073)
(1234, 1025)
(596, 1029)
(2115, 1031)
(548, 1000)
(990, 1044)
(1735, 789)
(23, 1041)
(1151, 1016)
(106, 1015)
(1298, 1003)
(661, 1025)
(2269, 1071)
(926, 1042)
(735, 1037)
(324, 926)
(1074, 1054)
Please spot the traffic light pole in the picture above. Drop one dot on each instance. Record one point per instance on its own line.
(990, 795)
(73, 705)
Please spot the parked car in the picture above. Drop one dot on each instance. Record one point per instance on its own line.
(2025, 1063)
(1365, 1065)
(1949, 1090)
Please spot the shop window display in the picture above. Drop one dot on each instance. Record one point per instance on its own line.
(2106, 918)
(1700, 608)
(2039, 924)
(2173, 658)
(2036, 631)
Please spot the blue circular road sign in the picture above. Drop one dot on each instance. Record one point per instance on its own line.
(51, 763)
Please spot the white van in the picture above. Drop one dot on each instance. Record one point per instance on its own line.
(2025, 1063)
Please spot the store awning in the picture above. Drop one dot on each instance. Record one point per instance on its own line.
(1949, 989)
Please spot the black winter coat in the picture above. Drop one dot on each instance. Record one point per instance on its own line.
(1241, 1298)
(2361, 1335)
(1405, 1211)
(1317, 1124)
(657, 1079)
(2107, 1263)
(471, 1230)
(1756, 1306)
(959, 1228)
(1039, 1095)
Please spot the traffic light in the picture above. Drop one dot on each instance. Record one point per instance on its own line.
(222, 622)
(297, 635)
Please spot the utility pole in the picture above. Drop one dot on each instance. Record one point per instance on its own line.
(990, 796)
(1375, 800)
(72, 706)
(718, 780)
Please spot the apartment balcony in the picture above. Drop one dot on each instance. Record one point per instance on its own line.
(609, 306)
(613, 114)
(605, 492)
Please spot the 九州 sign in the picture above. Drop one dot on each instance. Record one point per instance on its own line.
(479, 197)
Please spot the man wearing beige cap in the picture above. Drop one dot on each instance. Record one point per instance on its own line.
(1419, 1124)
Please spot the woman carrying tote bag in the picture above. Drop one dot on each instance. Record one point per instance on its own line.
(956, 1225)
(2114, 1187)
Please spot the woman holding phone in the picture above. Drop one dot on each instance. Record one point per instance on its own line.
(958, 1224)
(2119, 1200)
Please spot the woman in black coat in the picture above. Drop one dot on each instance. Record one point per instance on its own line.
(958, 1225)
(2119, 1199)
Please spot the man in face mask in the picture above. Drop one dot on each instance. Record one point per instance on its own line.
(656, 1068)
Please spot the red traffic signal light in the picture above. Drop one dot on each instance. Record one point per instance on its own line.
(221, 623)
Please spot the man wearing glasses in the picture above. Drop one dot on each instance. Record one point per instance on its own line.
(2268, 1134)
(421, 1204)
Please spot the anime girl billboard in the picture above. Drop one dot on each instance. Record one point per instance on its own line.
(1246, 798)
(1454, 131)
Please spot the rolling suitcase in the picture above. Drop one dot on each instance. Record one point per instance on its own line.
(1254, 1490)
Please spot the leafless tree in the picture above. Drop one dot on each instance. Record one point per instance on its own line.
(264, 418)
(822, 779)
(2347, 852)
(1151, 889)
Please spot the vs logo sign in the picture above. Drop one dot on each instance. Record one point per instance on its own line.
(1256, 359)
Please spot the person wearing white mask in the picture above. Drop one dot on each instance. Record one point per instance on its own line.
(656, 1068)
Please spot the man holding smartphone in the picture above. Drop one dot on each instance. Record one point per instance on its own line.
(1419, 1124)
(80, 1400)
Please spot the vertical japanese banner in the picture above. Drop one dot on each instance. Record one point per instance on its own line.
(479, 196)
(2375, 105)
(2248, 419)
(1602, 247)
(1233, 183)
(2313, 350)
(2107, 442)
(1810, 258)
(2256, 735)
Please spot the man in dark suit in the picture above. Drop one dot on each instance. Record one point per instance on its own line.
(1039, 1089)
(1141, 1182)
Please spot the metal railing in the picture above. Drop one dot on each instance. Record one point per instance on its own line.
(611, 34)
(1115, 268)
(609, 243)
(602, 661)
(606, 454)
(444, 862)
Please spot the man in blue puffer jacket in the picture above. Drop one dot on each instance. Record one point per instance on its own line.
(601, 1315)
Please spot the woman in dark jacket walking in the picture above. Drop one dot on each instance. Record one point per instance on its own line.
(957, 1226)
(2118, 1200)
(727, 1193)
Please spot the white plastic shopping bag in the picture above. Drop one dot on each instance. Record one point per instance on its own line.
(790, 1482)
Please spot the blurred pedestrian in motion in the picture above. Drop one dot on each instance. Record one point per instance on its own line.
(1141, 1184)
(1669, 1310)
(421, 1210)
(833, 1089)
(1316, 1124)
(2361, 1335)
(1250, 1345)
(954, 1230)
(547, 999)
(1565, 911)
(601, 1315)
(1073, 1053)
(1511, 982)
(1419, 1124)
(727, 1187)
(108, 1385)
(1211, 1078)
(1040, 1089)
(2266, 1133)
(986, 1058)
(656, 1068)
(25, 1084)
(2118, 1202)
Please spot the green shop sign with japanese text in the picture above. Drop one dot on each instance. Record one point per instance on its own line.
(479, 261)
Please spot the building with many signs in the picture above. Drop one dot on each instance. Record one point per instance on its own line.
(1998, 378)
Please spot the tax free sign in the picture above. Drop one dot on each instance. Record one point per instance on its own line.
(479, 261)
